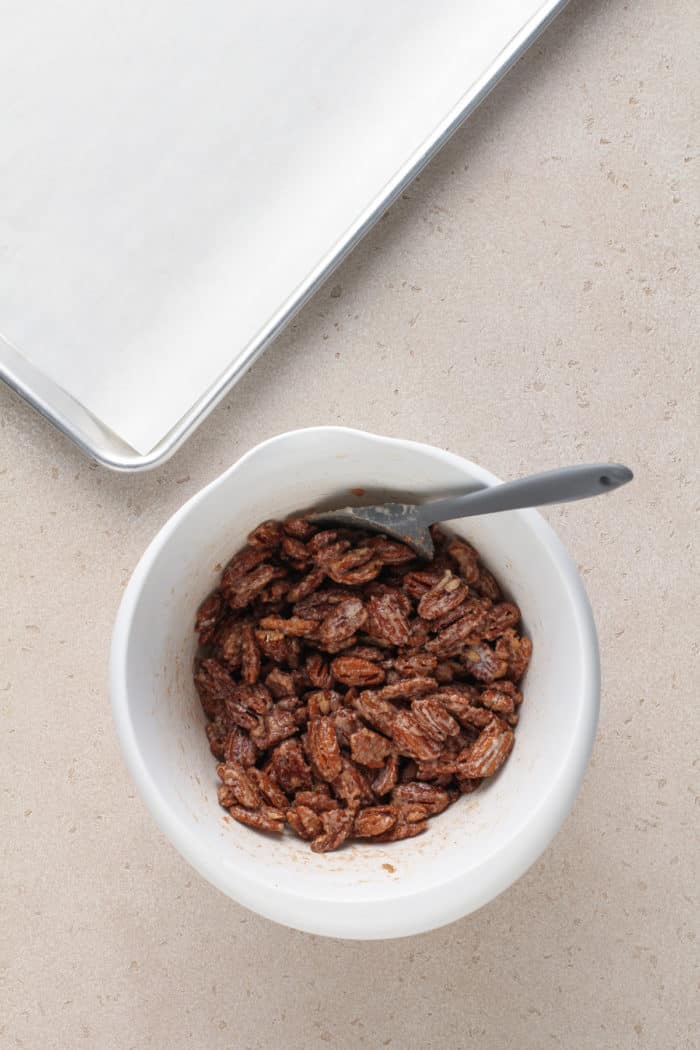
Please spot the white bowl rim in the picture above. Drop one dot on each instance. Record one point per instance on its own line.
(408, 913)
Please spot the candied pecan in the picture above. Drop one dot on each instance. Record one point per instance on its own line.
(276, 725)
(466, 559)
(344, 620)
(238, 747)
(304, 822)
(443, 597)
(254, 697)
(351, 559)
(299, 528)
(227, 796)
(322, 539)
(289, 703)
(463, 707)
(318, 671)
(466, 785)
(500, 617)
(378, 712)
(216, 735)
(413, 811)
(250, 655)
(451, 640)
(306, 586)
(346, 723)
(289, 767)
(266, 536)
(483, 663)
(374, 820)
(241, 564)
(324, 748)
(355, 567)
(374, 643)
(516, 651)
(337, 826)
(510, 688)
(351, 671)
(497, 701)
(434, 717)
(403, 829)
(351, 785)
(453, 615)
(267, 787)
(266, 818)
(418, 583)
(281, 683)
(294, 551)
(487, 586)
(328, 553)
(323, 702)
(434, 799)
(239, 715)
(408, 688)
(214, 685)
(319, 603)
(242, 590)
(387, 619)
(334, 647)
(411, 739)
(272, 596)
(294, 625)
(385, 780)
(439, 770)
(378, 589)
(460, 691)
(208, 616)
(488, 752)
(272, 644)
(369, 748)
(228, 643)
(317, 800)
(390, 551)
(367, 652)
(236, 777)
(415, 665)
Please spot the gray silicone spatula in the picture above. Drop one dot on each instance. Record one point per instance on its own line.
(409, 522)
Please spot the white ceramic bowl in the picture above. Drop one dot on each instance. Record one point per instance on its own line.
(474, 850)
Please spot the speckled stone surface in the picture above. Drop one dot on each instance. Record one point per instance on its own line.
(531, 301)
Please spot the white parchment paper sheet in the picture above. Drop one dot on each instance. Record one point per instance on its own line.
(170, 172)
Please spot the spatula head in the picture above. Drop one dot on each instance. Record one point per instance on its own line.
(398, 520)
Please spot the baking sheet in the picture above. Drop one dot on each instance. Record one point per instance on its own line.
(175, 177)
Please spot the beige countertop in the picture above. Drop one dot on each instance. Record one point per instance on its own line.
(529, 302)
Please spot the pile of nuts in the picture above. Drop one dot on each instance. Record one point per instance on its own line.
(353, 691)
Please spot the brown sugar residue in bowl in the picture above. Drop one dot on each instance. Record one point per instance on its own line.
(389, 867)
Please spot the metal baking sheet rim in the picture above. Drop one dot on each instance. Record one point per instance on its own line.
(102, 445)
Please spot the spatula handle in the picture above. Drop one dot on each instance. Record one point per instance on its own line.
(553, 486)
